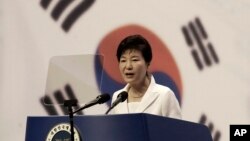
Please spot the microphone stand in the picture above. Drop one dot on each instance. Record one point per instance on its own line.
(109, 110)
(69, 104)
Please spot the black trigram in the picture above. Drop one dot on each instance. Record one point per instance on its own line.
(215, 134)
(201, 49)
(50, 107)
(72, 16)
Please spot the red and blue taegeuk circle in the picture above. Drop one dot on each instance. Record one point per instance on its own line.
(163, 66)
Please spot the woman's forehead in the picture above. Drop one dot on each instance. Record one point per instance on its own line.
(131, 52)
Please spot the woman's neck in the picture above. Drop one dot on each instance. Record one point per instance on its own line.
(138, 90)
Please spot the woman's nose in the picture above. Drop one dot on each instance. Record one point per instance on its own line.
(129, 65)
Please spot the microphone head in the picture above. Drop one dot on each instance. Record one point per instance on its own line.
(123, 96)
(103, 98)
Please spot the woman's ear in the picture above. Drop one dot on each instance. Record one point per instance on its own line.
(148, 64)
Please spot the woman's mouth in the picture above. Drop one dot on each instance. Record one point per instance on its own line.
(129, 75)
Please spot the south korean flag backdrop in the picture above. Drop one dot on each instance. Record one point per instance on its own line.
(201, 51)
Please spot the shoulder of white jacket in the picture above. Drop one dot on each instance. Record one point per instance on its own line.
(161, 88)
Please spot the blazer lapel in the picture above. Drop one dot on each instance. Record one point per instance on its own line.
(123, 107)
(145, 103)
(148, 98)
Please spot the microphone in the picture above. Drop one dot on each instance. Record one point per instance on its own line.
(120, 98)
(99, 100)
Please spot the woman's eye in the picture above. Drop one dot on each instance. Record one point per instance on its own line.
(122, 61)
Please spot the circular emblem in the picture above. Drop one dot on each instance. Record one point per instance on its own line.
(61, 132)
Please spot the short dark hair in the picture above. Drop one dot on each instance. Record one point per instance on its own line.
(136, 42)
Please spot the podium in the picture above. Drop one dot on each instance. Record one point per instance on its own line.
(123, 127)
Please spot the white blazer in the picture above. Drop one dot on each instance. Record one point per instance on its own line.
(158, 100)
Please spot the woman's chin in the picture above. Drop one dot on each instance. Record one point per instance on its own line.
(129, 80)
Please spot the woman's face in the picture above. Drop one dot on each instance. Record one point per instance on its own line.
(133, 67)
